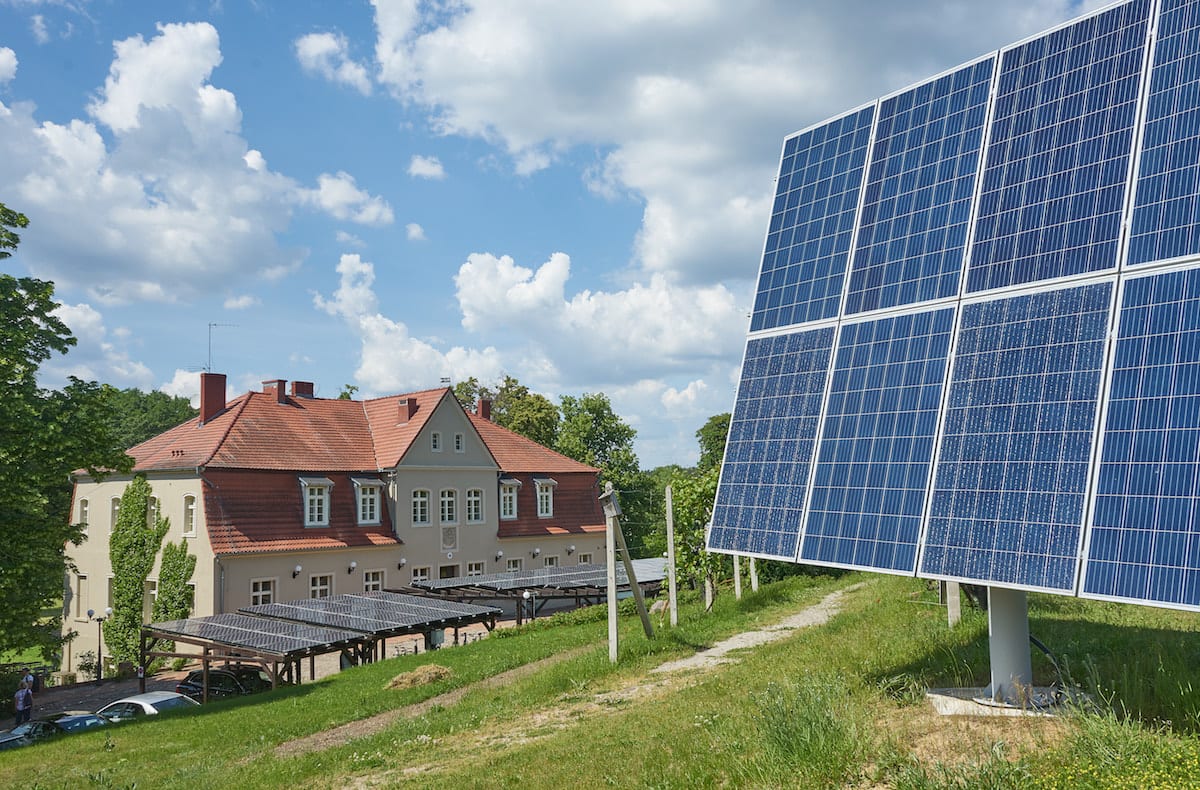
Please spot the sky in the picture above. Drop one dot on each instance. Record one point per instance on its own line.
(391, 193)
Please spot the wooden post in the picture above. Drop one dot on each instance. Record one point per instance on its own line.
(672, 584)
(737, 577)
(610, 555)
(634, 587)
(953, 604)
(753, 575)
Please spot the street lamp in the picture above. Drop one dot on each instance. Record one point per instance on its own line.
(91, 613)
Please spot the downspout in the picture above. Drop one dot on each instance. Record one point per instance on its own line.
(220, 585)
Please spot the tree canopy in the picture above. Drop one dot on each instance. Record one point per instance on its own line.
(712, 437)
(514, 407)
(137, 416)
(44, 435)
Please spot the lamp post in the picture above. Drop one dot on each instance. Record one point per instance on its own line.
(91, 613)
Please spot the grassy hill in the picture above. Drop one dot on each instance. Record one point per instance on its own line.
(835, 705)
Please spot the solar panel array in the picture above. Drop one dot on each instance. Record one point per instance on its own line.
(275, 637)
(562, 577)
(378, 613)
(975, 348)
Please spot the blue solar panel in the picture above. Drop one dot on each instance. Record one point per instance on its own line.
(1166, 215)
(771, 436)
(920, 184)
(1144, 542)
(1012, 471)
(812, 223)
(1058, 157)
(877, 444)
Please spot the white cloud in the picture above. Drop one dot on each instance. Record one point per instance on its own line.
(327, 55)
(99, 355)
(37, 26)
(426, 167)
(689, 103)
(186, 384)
(340, 196)
(255, 161)
(349, 239)
(243, 302)
(8, 65)
(415, 232)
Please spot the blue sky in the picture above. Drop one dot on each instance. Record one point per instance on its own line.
(387, 193)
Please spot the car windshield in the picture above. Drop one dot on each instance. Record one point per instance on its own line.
(81, 723)
(22, 729)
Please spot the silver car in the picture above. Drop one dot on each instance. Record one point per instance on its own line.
(147, 704)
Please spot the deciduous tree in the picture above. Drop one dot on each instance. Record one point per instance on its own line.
(137, 416)
(712, 437)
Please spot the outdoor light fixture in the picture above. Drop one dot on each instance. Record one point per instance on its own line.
(403, 561)
(353, 565)
(570, 549)
(91, 613)
(296, 571)
(499, 555)
(535, 552)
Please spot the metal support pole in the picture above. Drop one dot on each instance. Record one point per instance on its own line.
(737, 577)
(610, 553)
(672, 584)
(753, 575)
(1008, 643)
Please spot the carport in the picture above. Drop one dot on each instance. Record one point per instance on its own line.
(278, 637)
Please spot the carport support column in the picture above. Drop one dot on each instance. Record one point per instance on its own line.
(1008, 645)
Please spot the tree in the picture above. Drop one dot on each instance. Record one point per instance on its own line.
(712, 441)
(514, 407)
(174, 600)
(132, 547)
(44, 435)
(137, 416)
(348, 391)
(693, 494)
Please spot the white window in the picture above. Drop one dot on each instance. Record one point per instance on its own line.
(513, 564)
(152, 510)
(81, 596)
(460, 444)
(474, 505)
(585, 559)
(420, 506)
(148, 598)
(508, 500)
(420, 574)
(545, 497)
(262, 591)
(189, 515)
(316, 500)
(435, 442)
(449, 538)
(367, 491)
(475, 568)
(115, 508)
(83, 514)
(320, 586)
(449, 502)
(552, 561)
(372, 581)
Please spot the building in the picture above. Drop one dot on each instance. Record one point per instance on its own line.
(282, 495)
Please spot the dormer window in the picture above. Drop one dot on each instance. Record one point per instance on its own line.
(435, 442)
(508, 497)
(545, 496)
(315, 491)
(366, 491)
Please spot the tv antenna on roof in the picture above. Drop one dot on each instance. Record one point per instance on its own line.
(208, 368)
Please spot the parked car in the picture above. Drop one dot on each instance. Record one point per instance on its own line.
(225, 682)
(147, 704)
(40, 729)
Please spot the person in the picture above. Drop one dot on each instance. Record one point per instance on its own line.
(23, 702)
(27, 676)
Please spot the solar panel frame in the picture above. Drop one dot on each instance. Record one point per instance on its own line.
(260, 635)
(374, 613)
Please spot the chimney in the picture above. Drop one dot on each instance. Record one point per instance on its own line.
(302, 389)
(408, 408)
(484, 408)
(212, 395)
(276, 388)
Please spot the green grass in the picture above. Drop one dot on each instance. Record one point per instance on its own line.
(832, 706)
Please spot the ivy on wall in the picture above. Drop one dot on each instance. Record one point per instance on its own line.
(174, 601)
(132, 547)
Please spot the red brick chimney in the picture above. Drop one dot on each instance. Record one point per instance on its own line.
(408, 408)
(484, 408)
(302, 389)
(277, 388)
(212, 395)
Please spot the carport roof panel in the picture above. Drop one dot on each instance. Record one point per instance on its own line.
(258, 634)
(560, 577)
(376, 612)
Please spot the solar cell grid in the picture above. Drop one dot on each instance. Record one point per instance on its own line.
(770, 447)
(1057, 160)
(1166, 216)
(808, 243)
(918, 196)
(260, 634)
(1144, 542)
(877, 446)
(1011, 472)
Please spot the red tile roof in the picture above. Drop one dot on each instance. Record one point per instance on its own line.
(515, 453)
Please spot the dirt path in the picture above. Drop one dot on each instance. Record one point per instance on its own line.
(635, 689)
